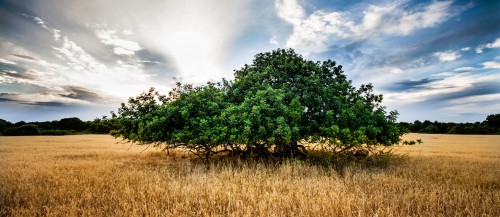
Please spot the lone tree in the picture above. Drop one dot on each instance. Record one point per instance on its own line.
(273, 105)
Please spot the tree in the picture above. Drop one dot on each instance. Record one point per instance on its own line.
(100, 125)
(24, 130)
(71, 124)
(431, 128)
(493, 121)
(274, 104)
(3, 125)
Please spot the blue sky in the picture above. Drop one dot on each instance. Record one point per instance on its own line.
(432, 60)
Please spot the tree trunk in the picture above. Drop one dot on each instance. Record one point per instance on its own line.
(292, 150)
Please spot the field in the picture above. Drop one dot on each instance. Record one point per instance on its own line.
(93, 175)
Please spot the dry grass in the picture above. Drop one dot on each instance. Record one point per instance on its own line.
(93, 176)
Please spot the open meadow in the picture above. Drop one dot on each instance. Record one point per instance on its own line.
(93, 175)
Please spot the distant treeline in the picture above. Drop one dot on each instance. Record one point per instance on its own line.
(65, 126)
(72, 126)
(489, 126)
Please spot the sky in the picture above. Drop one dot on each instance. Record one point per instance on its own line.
(432, 60)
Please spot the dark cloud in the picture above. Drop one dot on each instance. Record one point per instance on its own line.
(50, 104)
(7, 97)
(474, 26)
(25, 56)
(6, 100)
(17, 75)
(412, 84)
(73, 93)
(80, 93)
(477, 89)
(158, 64)
(19, 28)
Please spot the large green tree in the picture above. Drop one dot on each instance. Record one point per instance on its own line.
(273, 105)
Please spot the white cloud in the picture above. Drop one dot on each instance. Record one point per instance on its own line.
(393, 19)
(395, 70)
(290, 11)
(7, 62)
(121, 46)
(464, 69)
(495, 44)
(128, 32)
(491, 65)
(465, 49)
(447, 56)
(191, 41)
(78, 68)
(41, 22)
(319, 30)
(55, 32)
(486, 65)
(444, 74)
(273, 40)
(195, 38)
(314, 33)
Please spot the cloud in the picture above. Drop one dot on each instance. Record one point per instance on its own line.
(4, 61)
(44, 24)
(486, 65)
(476, 89)
(13, 76)
(394, 19)
(273, 40)
(465, 49)
(79, 69)
(77, 58)
(465, 69)
(195, 38)
(495, 44)
(290, 11)
(444, 74)
(121, 46)
(80, 93)
(447, 56)
(412, 84)
(316, 32)
(440, 91)
(25, 57)
(40, 99)
(491, 65)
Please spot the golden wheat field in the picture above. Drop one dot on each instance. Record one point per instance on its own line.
(93, 175)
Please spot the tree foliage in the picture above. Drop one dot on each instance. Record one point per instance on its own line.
(273, 105)
(24, 130)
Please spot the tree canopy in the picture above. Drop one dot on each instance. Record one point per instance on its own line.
(272, 106)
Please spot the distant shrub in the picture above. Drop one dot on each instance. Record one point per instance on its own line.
(24, 130)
